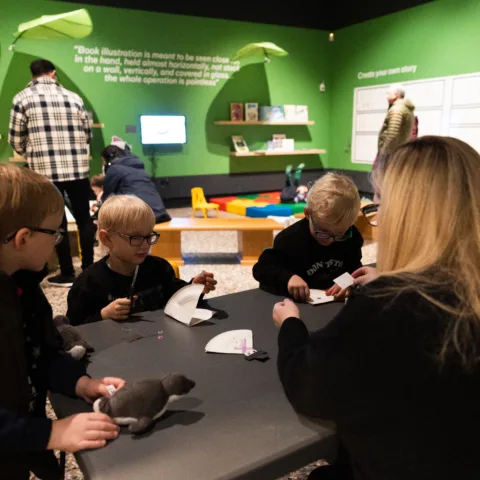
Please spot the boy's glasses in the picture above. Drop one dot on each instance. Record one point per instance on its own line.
(137, 240)
(322, 235)
(370, 213)
(58, 234)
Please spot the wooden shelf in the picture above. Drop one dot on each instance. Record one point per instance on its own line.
(274, 153)
(247, 122)
(97, 125)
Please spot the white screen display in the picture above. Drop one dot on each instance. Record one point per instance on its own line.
(162, 129)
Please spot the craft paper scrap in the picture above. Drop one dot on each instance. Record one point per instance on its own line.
(344, 281)
(319, 296)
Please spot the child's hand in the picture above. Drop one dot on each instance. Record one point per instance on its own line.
(364, 275)
(90, 389)
(82, 431)
(298, 289)
(207, 279)
(284, 310)
(119, 309)
(337, 292)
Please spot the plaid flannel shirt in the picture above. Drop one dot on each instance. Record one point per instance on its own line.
(50, 127)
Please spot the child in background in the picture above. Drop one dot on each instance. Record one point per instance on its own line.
(31, 361)
(96, 184)
(125, 228)
(293, 192)
(314, 251)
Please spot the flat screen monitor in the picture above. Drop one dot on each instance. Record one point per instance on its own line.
(163, 129)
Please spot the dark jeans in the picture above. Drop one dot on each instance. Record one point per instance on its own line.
(79, 193)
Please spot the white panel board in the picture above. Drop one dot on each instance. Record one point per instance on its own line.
(466, 90)
(470, 135)
(429, 122)
(369, 122)
(365, 148)
(426, 94)
(465, 116)
(372, 98)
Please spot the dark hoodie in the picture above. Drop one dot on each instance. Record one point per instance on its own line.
(127, 175)
(31, 363)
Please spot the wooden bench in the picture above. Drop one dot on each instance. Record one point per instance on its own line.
(368, 231)
(254, 235)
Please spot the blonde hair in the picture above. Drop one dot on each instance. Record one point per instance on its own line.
(334, 199)
(429, 234)
(120, 213)
(26, 199)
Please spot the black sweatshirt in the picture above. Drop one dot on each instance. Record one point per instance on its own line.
(374, 371)
(98, 286)
(296, 252)
(31, 362)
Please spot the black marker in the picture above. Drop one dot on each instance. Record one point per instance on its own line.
(132, 286)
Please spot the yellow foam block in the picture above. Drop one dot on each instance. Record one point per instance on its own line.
(239, 206)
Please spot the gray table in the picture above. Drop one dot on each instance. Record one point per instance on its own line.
(235, 424)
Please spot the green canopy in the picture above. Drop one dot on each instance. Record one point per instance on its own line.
(76, 24)
(263, 49)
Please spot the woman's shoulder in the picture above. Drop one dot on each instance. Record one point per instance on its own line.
(399, 298)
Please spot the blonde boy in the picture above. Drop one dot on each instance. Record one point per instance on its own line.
(125, 229)
(314, 251)
(31, 211)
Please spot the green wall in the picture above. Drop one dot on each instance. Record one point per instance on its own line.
(289, 80)
(441, 38)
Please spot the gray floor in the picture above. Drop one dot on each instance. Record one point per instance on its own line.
(231, 279)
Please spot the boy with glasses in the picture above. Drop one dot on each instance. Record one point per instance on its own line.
(32, 361)
(314, 251)
(103, 291)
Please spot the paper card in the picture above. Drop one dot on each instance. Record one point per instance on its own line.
(319, 296)
(344, 281)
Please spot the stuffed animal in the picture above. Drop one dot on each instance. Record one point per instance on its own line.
(140, 403)
(73, 343)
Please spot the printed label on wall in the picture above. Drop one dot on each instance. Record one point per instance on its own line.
(154, 68)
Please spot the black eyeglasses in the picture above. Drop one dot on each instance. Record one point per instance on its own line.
(322, 235)
(370, 213)
(137, 240)
(58, 234)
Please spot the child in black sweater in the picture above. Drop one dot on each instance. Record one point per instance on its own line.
(31, 359)
(125, 228)
(314, 251)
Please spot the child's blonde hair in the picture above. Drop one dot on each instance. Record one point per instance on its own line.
(26, 199)
(334, 199)
(120, 213)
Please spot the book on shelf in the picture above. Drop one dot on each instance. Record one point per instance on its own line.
(289, 111)
(277, 139)
(236, 112)
(301, 113)
(271, 114)
(251, 112)
(239, 144)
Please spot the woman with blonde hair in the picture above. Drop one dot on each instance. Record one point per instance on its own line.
(398, 369)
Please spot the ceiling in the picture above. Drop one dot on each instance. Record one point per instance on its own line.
(323, 14)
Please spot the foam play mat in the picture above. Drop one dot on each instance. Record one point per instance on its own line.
(260, 205)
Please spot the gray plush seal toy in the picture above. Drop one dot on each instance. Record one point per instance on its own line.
(73, 343)
(140, 403)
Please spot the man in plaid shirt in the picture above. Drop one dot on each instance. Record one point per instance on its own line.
(50, 127)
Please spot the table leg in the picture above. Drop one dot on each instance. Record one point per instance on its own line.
(252, 243)
(169, 247)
